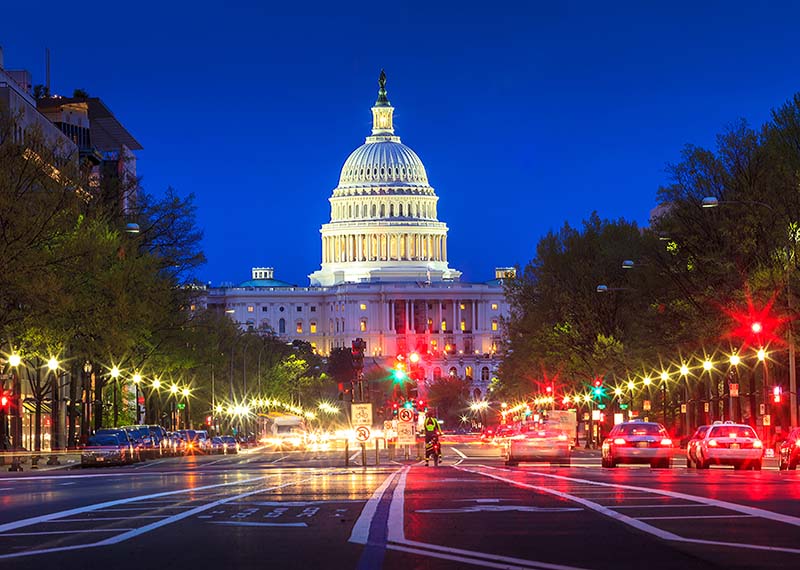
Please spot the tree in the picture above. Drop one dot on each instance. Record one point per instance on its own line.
(448, 395)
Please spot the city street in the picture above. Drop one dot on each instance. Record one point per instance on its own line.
(307, 510)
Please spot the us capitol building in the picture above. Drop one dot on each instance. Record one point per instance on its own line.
(384, 275)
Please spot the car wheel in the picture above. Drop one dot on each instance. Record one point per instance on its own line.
(792, 466)
(702, 464)
(511, 462)
(782, 465)
(564, 462)
(689, 463)
(757, 465)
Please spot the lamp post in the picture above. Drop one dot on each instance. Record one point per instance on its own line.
(114, 373)
(137, 379)
(155, 408)
(712, 202)
(762, 357)
(55, 432)
(185, 392)
(684, 370)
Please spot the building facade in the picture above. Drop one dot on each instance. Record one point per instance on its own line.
(384, 274)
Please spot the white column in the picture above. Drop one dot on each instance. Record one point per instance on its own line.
(444, 248)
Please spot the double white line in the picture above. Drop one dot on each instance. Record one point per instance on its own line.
(396, 539)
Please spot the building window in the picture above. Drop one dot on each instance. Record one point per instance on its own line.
(313, 308)
(264, 309)
(314, 347)
(250, 308)
(494, 324)
(453, 372)
(444, 324)
(463, 306)
(468, 372)
(192, 307)
(330, 325)
(299, 327)
(494, 306)
(437, 373)
(363, 325)
(281, 309)
(282, 325)
(430, 325)
(312, 328)
(485, 374)
(363, 306)
(299, 308)
(463, 325)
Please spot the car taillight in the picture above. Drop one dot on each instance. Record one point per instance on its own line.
(712, 443)
(562, 437)
(757, 443)
(666, 441)
(518, 437)
(619, 441)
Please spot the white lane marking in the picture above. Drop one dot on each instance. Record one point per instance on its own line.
(90, 508)
(660, 506)
(148, 508)
(154, 525)
(450, 554)
(92, 519)
(655, 531)
(6, 488)
(755, 511)
(353, 457)
(397, 536)
(695, 517)
(44, 532)
(281, 458)
(459, 453)
(211, 463)
(459, 462)
(360, 532)
(244, 523)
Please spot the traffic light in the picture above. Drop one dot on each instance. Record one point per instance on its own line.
(598, 391)
(208, 420)
(399, 372)
(357, 353)
(5, 402)
(777, 394)
(549, 390)
(394, 408)
(598, 382)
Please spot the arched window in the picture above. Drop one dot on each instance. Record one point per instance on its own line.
(437, 373)
(453, 371)
(312, 327)
(330, 325)
(363, 325)
(468, 372)
(383, 210)
(282, 326)
(400, 210)
(299, 327)
(391, 210)
(485, 374)
(494, 324)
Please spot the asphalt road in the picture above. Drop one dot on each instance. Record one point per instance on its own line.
(307, 510)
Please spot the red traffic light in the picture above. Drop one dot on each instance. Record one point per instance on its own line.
(208, 420)
(3, 401)
(421, 403)
(549, 389)
(598, 382)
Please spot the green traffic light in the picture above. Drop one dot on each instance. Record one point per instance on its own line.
(598, 392)
(399, 375)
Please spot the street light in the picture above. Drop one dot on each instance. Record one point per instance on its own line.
(712, 202)
(114, 373)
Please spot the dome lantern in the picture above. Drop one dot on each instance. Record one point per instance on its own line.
(382, 111)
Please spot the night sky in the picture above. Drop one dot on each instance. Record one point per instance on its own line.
(525, 114)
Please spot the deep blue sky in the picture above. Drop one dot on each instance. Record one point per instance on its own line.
(525, 114)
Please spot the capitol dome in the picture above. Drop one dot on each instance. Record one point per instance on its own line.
(383, 163)
(384, 224)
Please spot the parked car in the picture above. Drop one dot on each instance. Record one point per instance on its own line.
(230, 443)
(106, 449)
(538, 443)
(789, 452)
(637, 441)
(216, 445)
(730, 444)
(125, 437)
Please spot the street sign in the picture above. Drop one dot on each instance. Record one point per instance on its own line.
(734, 390)
(762, 409)
(387, 425)
(618, 418)
(406, 434)
(595, 415)
(361, 414)
(405, 415)
(683, 408)
(362, 434)
(646, 405)
(766, 420)
(706, 407)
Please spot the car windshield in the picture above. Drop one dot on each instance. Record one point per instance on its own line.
(102, 440)
(639, 429)
(732, 431)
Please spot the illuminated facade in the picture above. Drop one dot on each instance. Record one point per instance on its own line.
(384, 275)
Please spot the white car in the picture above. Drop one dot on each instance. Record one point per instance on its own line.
(730, 444)
(538, 443)
(637, 442)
